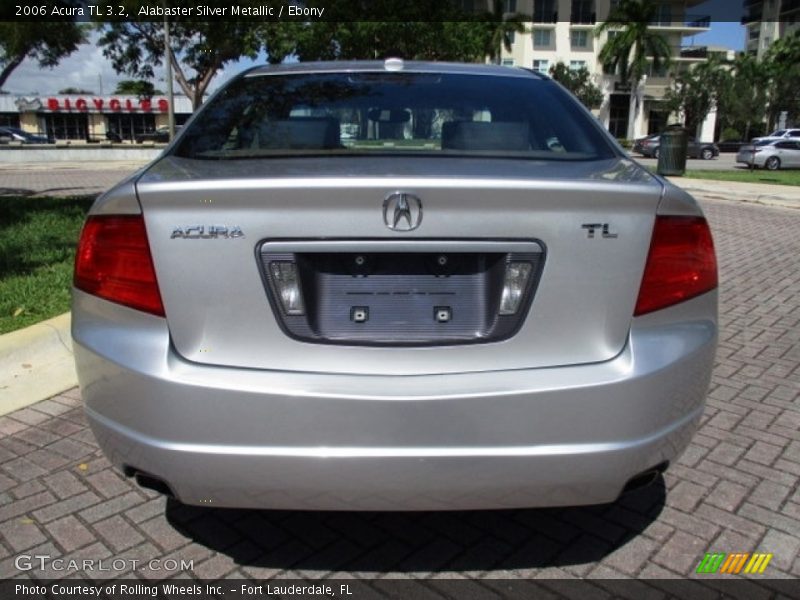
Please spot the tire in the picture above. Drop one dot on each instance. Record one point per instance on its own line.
(707, 154)
(773, 163)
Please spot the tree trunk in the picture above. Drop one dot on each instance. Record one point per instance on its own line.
(9, 68)
(633, 110)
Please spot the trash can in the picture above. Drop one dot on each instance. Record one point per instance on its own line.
(672, 151)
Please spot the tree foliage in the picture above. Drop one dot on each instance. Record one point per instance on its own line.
(783, 65)
(743, 95)
(633, 47)
(579, 82)
(198, 49)
(465, 41)
(439, 30)
(137, 87)
(46, 42)
(501, 30)
(698, 90)
(75, 90)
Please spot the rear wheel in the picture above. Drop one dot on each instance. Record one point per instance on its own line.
(773, 163)
(707, 154)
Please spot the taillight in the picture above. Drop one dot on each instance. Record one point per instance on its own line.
(114, 263)
(681, 263)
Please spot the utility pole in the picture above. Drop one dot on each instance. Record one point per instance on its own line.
(170, 95)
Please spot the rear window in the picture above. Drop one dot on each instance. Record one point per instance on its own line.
(393, 113)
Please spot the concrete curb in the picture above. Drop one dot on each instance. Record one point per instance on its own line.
(782, 196)
(36, 363)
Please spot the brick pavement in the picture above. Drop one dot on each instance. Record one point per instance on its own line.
(734, 490)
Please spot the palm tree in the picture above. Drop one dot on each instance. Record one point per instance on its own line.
(632, 48)
(502, 28)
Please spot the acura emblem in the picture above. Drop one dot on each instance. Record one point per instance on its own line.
(402, 212)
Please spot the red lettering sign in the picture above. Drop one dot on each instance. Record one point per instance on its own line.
(98, 103)
(129, 104)
(52, 104)
(163, 105)
(80, 104)
(66, 104)
(146, 105)
(114, 104)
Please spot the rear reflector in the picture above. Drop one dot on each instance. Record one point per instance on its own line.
(681, 263)
(114, 263)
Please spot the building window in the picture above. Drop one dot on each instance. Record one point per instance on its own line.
(663, 15)
(577, 65)
(579, 39)
(508, 62)
(544, 11)
(510, 6)
(541, 66)
(9, 120)
(512, 36)
(129, 126)
(67, 127)
(541, 38)
(582, 11)
(661, 71)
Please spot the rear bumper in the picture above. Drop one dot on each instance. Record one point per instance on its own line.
(500, 439)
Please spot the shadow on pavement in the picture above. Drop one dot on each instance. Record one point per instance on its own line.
(420, 541)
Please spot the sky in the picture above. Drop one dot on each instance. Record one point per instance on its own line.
(88, 69)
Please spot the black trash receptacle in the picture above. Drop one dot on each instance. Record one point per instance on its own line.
(672, 151)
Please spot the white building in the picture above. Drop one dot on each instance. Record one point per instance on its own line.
(563, 31)
(768, 20)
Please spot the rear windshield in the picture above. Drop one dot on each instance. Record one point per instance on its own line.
(393, 113)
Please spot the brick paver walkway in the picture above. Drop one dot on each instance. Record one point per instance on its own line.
(734, 490)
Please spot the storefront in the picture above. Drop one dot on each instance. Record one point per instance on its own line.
(88, 119)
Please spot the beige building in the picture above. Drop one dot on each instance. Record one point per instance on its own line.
(563, 31)
(768, 20)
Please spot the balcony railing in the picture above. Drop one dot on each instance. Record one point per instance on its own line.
(752, 16)
(545, 16)
(789, 6)
(582, 18)
(693, 21)
(693, 51)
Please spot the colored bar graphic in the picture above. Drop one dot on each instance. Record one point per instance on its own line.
(732, 564)
(758, 563)
(711, 562)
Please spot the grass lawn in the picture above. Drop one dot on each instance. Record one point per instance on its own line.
(786, 177)
(37, 248)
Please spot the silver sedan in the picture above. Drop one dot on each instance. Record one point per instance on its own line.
(771, 154)
(394, 286)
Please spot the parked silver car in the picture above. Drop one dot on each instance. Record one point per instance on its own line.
(771, 154)
(780, 134)
(472, 300)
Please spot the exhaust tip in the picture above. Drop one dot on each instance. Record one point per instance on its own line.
(150, 482)
(645, 478)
